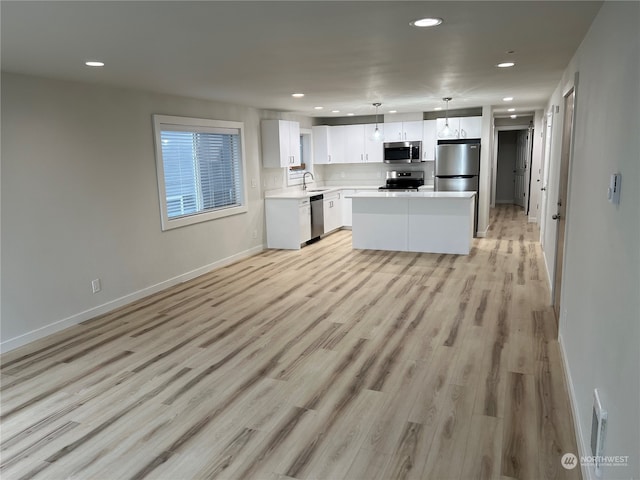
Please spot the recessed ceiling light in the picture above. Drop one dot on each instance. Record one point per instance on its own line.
(335, 111)
(393, 111)
(350, 114)
(297, 95)
(507, 99)
(505, 64)
(94, 63)
(511, 109)
(318, 108)
(426, 22)
(514, 116)
(438, 108)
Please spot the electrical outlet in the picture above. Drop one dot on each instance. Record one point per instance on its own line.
(254, 183)
(275, 179)
(96, 285)
(255, 234)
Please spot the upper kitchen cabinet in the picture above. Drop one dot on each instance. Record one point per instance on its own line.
(403, 131)
(461, 127)
(346, 144)
(470, 127)
(429, 140)
(322, 151)
(280, 143)
(353, 138)
(373, 152)
(454, 127)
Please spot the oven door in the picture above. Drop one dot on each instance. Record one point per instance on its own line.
(397, 152)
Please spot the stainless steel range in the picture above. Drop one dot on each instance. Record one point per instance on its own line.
(399, 181)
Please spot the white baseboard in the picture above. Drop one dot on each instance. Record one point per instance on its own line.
(583, 447)
(482, 233)
(77, 318)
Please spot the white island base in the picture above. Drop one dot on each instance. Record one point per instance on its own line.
(431, 222)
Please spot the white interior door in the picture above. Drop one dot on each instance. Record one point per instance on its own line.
(545, 174)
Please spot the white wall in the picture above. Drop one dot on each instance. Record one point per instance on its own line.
(80, 201)
(600, 306)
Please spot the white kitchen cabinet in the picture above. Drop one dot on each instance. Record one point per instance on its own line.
(280, 143)
(373, 152)
(470, 127)
(322, 151)
(454, 126)
(332, 210)
(288, 222)
(304, 220)
(461, 127)
(403, 131)
(429, 140)
(338, 136)
(353, 138)
(346, 207)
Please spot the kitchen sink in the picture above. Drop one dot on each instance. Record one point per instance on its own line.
(317, 190)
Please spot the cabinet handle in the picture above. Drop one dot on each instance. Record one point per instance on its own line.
(362, 157)
(329, 158)
(367, 157)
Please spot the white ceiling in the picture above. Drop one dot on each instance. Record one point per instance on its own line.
(342, 55)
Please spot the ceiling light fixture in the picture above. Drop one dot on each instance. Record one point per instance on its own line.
(94, 63)
(437, 109)
(514, 116)
(505, 64)
(446, 131)
(297, 95)
(376, 133)
(511, 109)
(393, 111)
(507, 99)
(335, 111)
(426, 22)
(350, 114)
(318, 108)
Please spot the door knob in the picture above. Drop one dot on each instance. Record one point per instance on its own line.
(556, 216)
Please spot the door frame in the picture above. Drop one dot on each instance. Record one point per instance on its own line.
(494, 174)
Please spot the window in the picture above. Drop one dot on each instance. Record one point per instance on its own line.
(294, 174)
(200, 168)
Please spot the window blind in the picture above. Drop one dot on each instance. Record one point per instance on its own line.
(202, 170)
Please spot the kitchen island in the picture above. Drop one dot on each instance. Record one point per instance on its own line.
(431, 222)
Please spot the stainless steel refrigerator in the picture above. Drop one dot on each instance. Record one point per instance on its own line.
(457, 169)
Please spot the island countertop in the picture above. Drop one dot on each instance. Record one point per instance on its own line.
(388, 194)
(430, 222)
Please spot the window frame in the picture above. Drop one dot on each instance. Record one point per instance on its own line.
(191, 124)
(306, 157)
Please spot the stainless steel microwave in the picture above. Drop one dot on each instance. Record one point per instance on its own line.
(402, 152)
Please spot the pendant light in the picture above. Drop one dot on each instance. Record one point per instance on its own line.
(446, 131)
(377, 135)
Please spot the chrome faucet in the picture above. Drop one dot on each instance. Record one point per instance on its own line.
(304, 177)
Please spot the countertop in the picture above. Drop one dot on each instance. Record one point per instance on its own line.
(387, 194)
(298, 193)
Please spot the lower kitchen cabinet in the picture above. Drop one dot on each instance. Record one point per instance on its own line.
(332, 209)
(288, 222)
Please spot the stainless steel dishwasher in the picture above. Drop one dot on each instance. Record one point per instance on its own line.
(317, 216)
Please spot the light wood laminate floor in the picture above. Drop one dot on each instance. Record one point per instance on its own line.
(324, 363)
